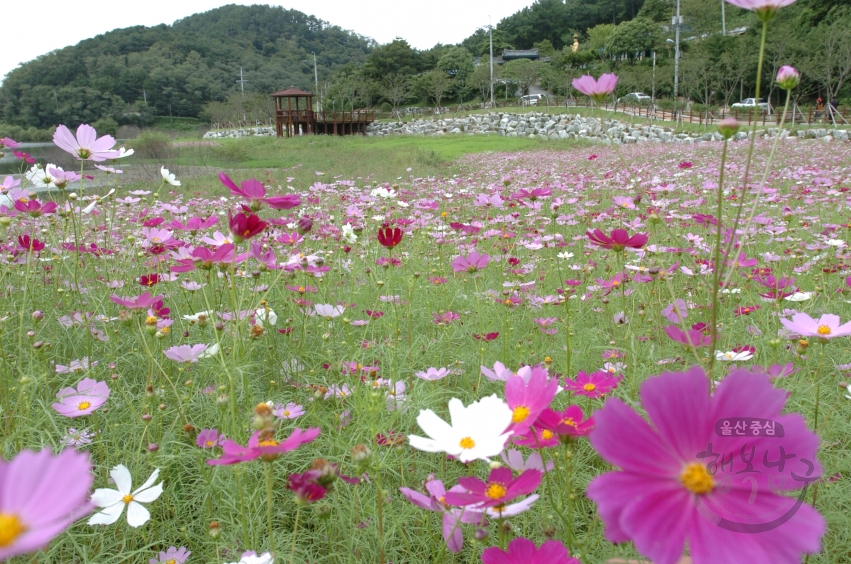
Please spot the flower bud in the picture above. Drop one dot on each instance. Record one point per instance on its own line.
(304, 225)
(728, 127)
(263, 416)
(37, 315)
(361, 454)
(788, 77)
(214, 529)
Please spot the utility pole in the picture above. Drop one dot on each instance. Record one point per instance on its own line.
(678, 20)
(490, 29)
(145, 96)
(241, 82)
(316, 82)
(653, 92)
(723, 19)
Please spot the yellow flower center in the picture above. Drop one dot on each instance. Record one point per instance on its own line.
(615, 283)
(569, 421)
(127, 498)
(209, 443)
(171, 561)
(151, 320)
(286, 413)
(589, 387)
(467, 442)
(84, 405)
(268, 443)
(496, 491)
(521, 412)
(546, 434)
(823, 330)
(696, 479)
(10, 529)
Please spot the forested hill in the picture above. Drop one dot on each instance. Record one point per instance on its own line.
(178, 68)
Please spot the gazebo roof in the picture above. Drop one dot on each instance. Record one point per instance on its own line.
(291, 93)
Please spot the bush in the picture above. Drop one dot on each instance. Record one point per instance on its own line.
(231, 152)
(153, 145)
(29, 135)
(386, 108)
(127, 132)
(106, 126)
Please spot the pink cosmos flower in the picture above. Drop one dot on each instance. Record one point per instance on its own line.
(42, 495)
(86, 146)
(452, 518)
(139, 302)
(598, 90)
(186, 353)
(79, 365)
(567, 424)
(267, 449)
(618, 240)
(594, 385)
(173, 555)
(523, 551)
(62, 178)
(676, 312)
(514, 460)
(471, 263)
(305, 487)
(209, 438)
(87, 397)
(204, 258)
(8, 142)
(254, 191)
(194, 224)
(690, 338)
(527, 399)
(825, 327)
(682, 481)
(433, 374)
(289, 411)
(500, 488)
(765, 9)
(34, 208)
(445, 318)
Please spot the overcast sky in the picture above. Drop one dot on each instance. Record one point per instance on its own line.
(60, 23)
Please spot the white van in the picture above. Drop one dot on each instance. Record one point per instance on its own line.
(532, 99)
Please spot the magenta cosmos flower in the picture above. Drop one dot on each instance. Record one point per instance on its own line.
(40, 496)
(527, 399)
(523, 551)
(825, 327)
(500, 488)
(452, 518)
(682, 480)
(596, 89)
(267, 448)
(618, 240)
(567, 424)
(87, 397)
(87, 145)
(689, 338)
(594, 385)
(254, 191)
(471, 263)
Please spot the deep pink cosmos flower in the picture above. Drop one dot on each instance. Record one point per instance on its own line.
(41, 495)
(825, 327)
(684, 481)
(254, 191)
(523, 551)
(305, 487)
(87, 397)
(9, 143)
(34, 208)
(267, 448)
(486, 336)
(599, 89)
(140, 302)
(452, 518)
(87, 145)
(500, 488)
(618, 240)
(594, 385)
(245, 225)
(204, 258)
(567, 424)
(527, 399)
(194, 224)
(689, 338)
(471, 263)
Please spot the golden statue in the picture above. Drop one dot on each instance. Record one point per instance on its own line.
(575, 46)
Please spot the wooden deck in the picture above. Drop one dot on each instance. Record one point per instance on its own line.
(306, 122)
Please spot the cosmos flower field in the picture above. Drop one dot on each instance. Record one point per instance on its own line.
(431, 369)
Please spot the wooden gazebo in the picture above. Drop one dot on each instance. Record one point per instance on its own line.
(289, 117)
(295, 116)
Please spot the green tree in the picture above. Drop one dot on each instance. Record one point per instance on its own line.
(545, 48)
(523, 72)
(598, 38)
(457, 62)
(632, 37)
(658, 11)
(396, 57)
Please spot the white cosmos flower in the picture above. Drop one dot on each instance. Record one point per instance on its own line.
(476, 431)
(113, 502)
(88, 209)
(210, 351)
(328, 311)
(733, 356)
(565, 255)
(196, 317)
(382, 192)
(122, 152)
(169, 177)
(799, 297)
(848, 389)
(265, 314)
(349, 234)
(251, 557)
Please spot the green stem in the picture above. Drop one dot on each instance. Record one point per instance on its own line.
(295, 528)
(270, 494)
(716, 271)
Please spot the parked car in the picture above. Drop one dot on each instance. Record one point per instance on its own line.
(639, 97)
(750, 104)
(532, 99)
